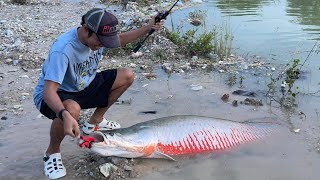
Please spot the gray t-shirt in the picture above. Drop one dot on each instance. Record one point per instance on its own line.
(69, 63)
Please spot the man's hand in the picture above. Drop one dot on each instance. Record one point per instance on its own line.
(70, 125)
(156, 26)
(130, 36)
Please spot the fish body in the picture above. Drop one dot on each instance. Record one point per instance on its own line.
(178, 135)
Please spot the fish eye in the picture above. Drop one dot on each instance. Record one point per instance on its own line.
(111, 133)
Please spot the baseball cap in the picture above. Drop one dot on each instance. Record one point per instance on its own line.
(105, 25)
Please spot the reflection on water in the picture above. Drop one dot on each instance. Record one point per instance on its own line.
(276, 30)
(241, 7)
(307, 12)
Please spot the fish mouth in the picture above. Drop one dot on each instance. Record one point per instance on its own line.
(114, 144)
(110, 144)
(98, 137)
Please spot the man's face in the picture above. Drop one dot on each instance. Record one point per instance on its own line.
(93, 42)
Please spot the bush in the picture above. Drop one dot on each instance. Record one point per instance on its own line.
(192, 44)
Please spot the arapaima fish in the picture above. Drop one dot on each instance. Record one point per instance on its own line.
(177, 135)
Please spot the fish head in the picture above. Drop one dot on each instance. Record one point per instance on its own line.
(111, 143)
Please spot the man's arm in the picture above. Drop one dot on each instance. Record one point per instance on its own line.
(50, 96)
(130, 36)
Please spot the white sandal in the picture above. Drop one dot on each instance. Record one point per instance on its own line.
(53, 166)
(103, 125)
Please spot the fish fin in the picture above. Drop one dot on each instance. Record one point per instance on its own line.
(165, 155)
(262, 120)
(143, 127)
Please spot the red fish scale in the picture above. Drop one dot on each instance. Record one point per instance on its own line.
(205, 141)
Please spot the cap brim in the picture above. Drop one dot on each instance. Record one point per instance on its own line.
(110, 41)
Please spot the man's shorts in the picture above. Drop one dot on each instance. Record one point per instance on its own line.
(93, 96)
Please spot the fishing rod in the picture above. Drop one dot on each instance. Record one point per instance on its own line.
(158, 18)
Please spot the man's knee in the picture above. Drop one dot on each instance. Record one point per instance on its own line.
(128, 75)
(72, 107)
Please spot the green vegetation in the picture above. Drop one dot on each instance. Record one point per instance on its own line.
(193, 45)
(231, 80)
(161, 54)
(223, 42)
(285, 96)
(198, 45)
(200, 41)
(241, 81)
(292, 74)
(175, 38)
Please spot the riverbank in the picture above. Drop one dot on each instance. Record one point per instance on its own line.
(188, 86)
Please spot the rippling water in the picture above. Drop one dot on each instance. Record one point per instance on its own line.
(277, 30)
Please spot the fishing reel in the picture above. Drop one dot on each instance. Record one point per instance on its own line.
(161, 16)
(157, 19)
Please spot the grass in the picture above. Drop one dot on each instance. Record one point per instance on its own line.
(200, 41)
(223, 41)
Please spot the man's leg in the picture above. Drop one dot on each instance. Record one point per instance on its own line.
(56, 130)
(122, 82)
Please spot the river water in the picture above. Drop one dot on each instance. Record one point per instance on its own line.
(276, 30)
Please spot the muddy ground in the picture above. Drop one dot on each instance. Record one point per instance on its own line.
(26, 34)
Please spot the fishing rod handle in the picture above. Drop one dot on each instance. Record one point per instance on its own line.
(158, 18)
(136, 49)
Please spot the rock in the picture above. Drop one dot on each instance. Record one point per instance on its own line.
(167, 67)
(118, 160)
(195, 22)
(40, 116)
(24, 76)
(128, 168)
(25, 94)
(17, 106)
(133, 65)
(212, 56)
(225, 98)
(123, 101)
(136, 55)
(296, 130)
(107, 168)
(244, 93)
(150, 76)
(235, 103)
(186, 67)
(250, 101)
